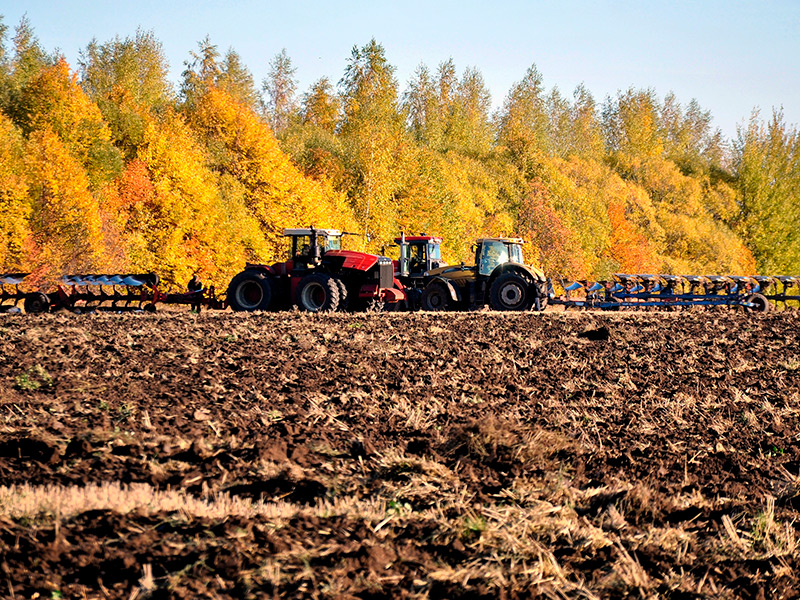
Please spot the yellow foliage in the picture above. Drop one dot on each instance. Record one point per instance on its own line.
(65, 217)
(275, 192)
(15, 209)
(54, 100)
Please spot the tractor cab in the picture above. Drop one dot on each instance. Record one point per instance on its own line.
(490, 253)
(418, 255)
(308, 245)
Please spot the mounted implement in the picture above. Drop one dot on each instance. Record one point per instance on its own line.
(319, 276)
(83, 293)
(676, 291)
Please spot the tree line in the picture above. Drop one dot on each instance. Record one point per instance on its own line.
(109, 167)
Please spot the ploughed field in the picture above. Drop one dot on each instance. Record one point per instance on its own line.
(400, 455)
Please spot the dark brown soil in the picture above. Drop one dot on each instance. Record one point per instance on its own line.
(474, 455)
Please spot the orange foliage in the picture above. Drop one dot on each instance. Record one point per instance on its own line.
(135, 186)
(628, 246)
(65, 218)
(560, 250)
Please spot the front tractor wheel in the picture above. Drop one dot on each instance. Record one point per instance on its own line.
(510, 291)
(250, 290)
(435, 298)
(318, 292)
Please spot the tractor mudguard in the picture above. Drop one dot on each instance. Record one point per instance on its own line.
(453, 290)
(527, 271)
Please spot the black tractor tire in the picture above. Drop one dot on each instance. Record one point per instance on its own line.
(342, 294)
(543, 298)
(511, 291)
(250, 290)
(435, 297)
(36, 302)
(760, 301)
(318, 292)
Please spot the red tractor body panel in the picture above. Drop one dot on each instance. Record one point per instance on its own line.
(359, 261)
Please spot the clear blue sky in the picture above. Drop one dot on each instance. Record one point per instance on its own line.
(731, 55)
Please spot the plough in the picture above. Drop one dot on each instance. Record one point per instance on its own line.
(757, 293)
(89, 293)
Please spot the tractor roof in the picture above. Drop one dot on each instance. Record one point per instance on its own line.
(420, 238)
(327, 232)
(503, 240)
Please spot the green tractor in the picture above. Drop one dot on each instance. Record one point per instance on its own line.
(500, 278)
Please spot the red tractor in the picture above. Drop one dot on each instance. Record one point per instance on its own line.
(319, 276)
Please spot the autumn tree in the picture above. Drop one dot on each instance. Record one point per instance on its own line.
(53, 100)
(15, 208)
(126, 77)
(320, 106)
(374, 139)
(280, 87)
(523, 122)
(276, 195)
(65, 217)
(767, 167)
(235, 78)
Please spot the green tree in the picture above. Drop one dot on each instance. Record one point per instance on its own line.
(767, 168)
(236, 79)
(320, 106)
(135, 64)
(523, 122)
(201, 72)
(24, 64)
(127, 77)
(468, 128)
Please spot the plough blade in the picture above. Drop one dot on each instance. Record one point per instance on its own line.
(12, 278)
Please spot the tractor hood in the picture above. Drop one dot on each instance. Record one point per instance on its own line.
(349, 259)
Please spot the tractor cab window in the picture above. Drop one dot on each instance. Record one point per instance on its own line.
(491, 254)
(301, 245)
(515, 254)
(417, 262)
(434, 252)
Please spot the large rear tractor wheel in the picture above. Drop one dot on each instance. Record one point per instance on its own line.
(250, 290)
(36, 302)
(759, 302)
(511, 291)
(318, 292)
(435, 297)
